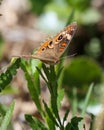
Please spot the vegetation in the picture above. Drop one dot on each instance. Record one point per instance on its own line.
(79, 78)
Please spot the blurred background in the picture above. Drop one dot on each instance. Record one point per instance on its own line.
(25, 24)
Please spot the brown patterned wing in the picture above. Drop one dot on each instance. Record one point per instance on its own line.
(63, 39)
(51, 50)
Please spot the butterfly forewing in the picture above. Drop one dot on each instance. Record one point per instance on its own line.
(67, 34)
(51, 50)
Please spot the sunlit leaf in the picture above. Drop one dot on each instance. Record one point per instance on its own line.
(35, 123)
(31, 86)
(7, 118)
(50, 114)
(5, 78)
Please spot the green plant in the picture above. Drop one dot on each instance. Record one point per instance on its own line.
(38, 5)
(7, 118)
(5, 78)
(50, 112)
(80, 73)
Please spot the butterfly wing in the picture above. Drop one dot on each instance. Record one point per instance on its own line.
(51, 50)
(46, 52)
(63, 39)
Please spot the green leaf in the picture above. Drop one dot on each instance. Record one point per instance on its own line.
(7, 117)
(31, 122)
(59, 72)
(54, 107)
(50, 115)
(69, 126)
(37, 6)
(73, 125)
(71, 17)
(92, 121)
(52, 72)
(74, 102)
(60, 77)
(66, 115)
(60, 97)
(36, 63)
(87, 99)
(76, 120)
(35, 123)
(53, 85)
(80, 5)
(5, 78)
(46, 71)
(75, 70)
(50, 123)
(31, 86)
(42, 75)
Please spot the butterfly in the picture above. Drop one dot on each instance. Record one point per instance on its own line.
(52, 49)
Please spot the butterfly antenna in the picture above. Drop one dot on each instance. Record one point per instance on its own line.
(61, 59)
(70, 56)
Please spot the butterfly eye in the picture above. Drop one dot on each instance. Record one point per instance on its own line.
(60, 37)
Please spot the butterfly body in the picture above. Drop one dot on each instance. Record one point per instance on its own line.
(51, 50)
